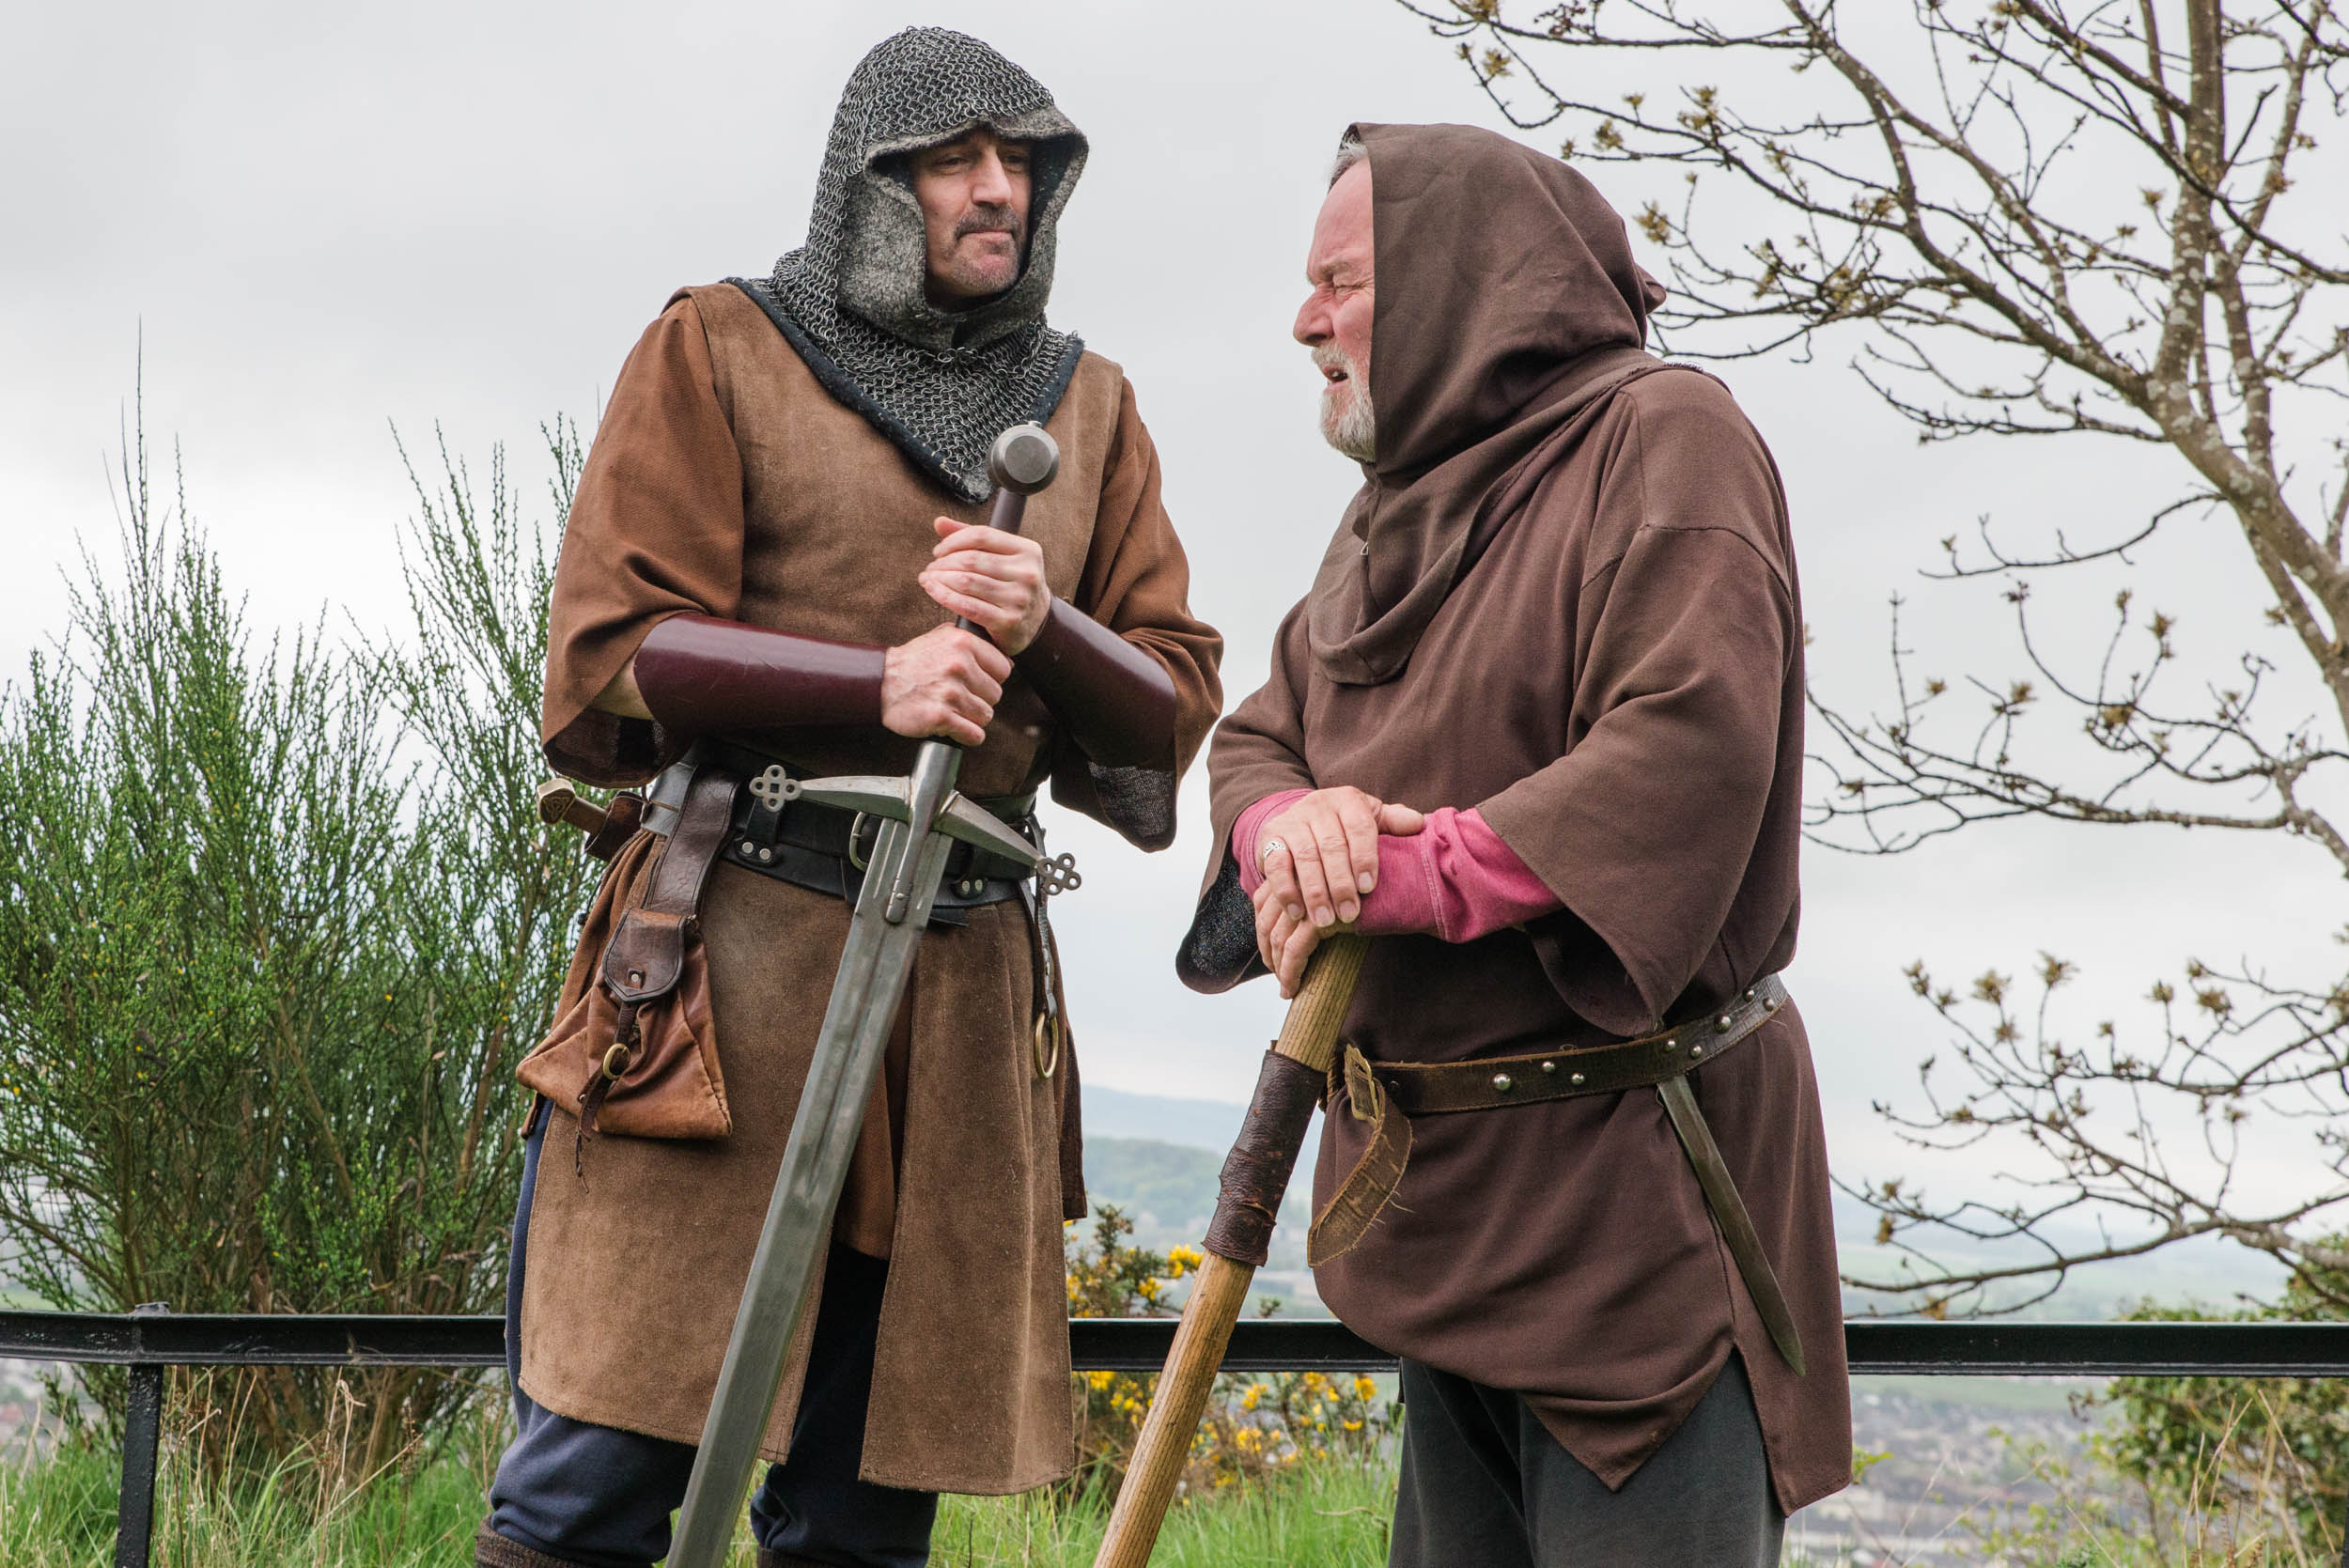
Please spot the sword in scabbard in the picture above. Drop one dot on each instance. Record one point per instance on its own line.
(921, 817)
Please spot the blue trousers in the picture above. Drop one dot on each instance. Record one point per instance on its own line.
(601, 1498)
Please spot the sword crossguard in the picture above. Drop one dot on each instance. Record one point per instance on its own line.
(559, 802)
(775, 789)
(957, 818)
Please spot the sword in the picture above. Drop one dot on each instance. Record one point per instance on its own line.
(921, 817)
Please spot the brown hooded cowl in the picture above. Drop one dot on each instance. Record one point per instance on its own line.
(1565, 595)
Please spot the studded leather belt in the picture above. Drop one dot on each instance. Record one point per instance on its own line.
(1487, 1083)
(1387, 1095)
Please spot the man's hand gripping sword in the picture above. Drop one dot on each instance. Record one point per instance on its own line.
(921, 817)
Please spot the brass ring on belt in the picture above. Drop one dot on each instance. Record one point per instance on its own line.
(1045, 1065)
(856, 833)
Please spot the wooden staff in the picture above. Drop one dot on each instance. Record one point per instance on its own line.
(1255, 1177)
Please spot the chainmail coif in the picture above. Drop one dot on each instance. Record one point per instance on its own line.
(940, 385)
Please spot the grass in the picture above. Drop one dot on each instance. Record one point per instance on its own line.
(1333, 1514)
(59, 1512)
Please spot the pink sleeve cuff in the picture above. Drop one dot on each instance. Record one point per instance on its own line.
(1454, 879)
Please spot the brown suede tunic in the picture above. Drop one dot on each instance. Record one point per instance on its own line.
(725, 479)
(1615, 681)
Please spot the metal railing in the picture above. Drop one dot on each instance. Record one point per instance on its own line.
(153, 1339)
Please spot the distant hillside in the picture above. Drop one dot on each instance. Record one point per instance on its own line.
(1155, 1154)
(1160, 1186)
(1156, 1157)
(1168, 1191)
(1209, 1125)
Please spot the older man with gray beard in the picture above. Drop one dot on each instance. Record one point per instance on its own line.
(1537, 729)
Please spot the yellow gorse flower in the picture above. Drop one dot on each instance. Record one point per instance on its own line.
(1253, 1428)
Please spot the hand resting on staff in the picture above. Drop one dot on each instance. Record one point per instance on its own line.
(1319, 857)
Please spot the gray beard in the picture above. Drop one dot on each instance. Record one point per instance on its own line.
(1354, 432)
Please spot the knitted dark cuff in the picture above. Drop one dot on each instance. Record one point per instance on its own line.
(493, 1550)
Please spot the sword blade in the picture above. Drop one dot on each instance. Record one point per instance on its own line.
(873, 968)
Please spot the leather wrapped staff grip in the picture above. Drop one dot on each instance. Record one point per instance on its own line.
(1256, 1171)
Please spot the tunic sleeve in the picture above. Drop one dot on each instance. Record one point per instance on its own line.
(1137, 582)
(655, 529)
(1645, 827)
(1259, 750)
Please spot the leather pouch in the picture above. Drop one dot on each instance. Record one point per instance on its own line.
(635, 1048)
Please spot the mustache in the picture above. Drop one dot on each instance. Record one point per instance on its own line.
(989, 218)
(1328, 356)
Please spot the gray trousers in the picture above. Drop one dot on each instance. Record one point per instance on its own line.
(1484, 1485)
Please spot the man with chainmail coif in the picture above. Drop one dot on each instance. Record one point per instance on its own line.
(1536, 730)
(778, 521)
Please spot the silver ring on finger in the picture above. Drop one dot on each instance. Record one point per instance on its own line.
(1264, 851)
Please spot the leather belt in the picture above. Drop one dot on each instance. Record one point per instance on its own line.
(1488, 1083)
(821, 847)
(725, 802)
(1388, 1093)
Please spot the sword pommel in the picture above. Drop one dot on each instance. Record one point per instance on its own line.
(559, 803)
(1023, 459)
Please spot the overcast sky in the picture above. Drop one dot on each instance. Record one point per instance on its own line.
(328, 221)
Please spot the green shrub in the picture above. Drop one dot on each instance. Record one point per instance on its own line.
(2273, 1449)
(2209, 1472)
(275, 921)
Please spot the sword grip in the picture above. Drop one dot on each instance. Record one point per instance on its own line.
(1023, 461)
(1009, 511)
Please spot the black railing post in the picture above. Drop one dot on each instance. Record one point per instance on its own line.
(142, 1449)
